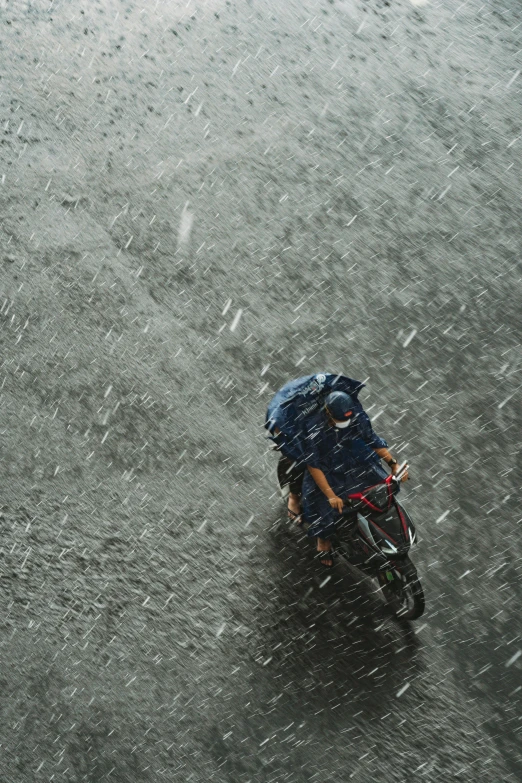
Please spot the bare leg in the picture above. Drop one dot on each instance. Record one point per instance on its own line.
(294, 505)
(323, 545)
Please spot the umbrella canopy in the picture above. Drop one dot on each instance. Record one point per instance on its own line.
(299, 399)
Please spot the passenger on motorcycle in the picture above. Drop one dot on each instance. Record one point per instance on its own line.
(332, 452)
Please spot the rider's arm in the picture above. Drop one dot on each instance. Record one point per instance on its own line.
(389, 458)
(377, 443)
(384, 454)
(365, 431)
(321, 481)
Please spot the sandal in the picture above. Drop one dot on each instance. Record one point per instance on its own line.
(325, 554)
(296, 517)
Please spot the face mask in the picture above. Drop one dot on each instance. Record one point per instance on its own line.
(341, 425)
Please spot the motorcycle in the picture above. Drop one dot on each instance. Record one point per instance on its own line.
(375, 535)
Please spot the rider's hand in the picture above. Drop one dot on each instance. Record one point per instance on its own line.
(395, 469)
(336, 503)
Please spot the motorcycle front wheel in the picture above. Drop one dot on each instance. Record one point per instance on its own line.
(402, 590)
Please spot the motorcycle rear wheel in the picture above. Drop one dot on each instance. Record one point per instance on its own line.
(402, 590)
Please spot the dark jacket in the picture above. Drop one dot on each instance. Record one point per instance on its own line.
(293, 411)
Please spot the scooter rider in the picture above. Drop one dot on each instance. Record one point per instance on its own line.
(328, 449)
(343, 456)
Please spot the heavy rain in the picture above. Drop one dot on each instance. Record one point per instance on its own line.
(200, 201)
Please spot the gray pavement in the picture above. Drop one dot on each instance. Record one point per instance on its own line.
(200, 201)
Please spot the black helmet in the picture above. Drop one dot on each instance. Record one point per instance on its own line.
(339, 405)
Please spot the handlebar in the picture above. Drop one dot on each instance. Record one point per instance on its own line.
(401, 471)
(397, 477)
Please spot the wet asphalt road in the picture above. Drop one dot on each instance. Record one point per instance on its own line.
(338, 182)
